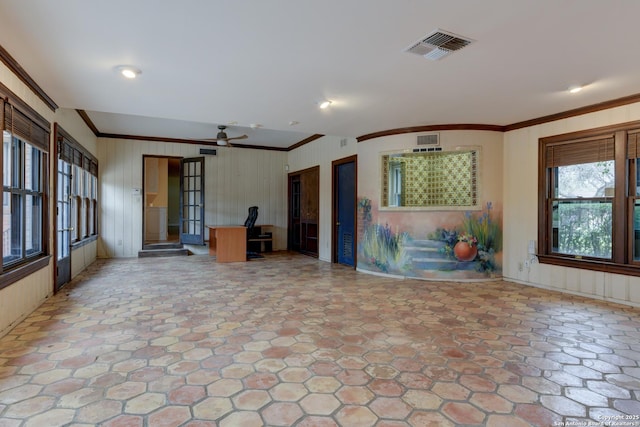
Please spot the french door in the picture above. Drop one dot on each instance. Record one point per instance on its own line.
(63, 224)
(192, 201)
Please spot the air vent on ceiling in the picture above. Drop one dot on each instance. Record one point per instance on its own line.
(431, 139)
(438, 44)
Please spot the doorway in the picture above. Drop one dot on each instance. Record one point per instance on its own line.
(173, 210)
(161, 200)
(344, 178)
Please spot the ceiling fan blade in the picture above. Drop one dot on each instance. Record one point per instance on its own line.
(237, 137)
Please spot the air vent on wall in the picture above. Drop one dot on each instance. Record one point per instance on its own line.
(209, 151)
(432, 139)
(438, 44)
(427, 150)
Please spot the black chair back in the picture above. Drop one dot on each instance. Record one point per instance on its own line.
(251, 219)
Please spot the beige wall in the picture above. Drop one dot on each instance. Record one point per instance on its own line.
(521, 210)
(235, 179)
(21, 298)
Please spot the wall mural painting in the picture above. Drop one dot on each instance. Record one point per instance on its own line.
(469, 249)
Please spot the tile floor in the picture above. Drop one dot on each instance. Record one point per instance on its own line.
(293, 341)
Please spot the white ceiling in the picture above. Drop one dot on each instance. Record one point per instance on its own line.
(268, 62)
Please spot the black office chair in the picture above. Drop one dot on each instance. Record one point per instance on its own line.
(251, 219)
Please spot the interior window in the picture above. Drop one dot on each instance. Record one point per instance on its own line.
(442, 179)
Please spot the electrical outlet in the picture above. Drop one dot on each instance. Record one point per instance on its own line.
(119, 242)
(519, 266)
(527, 264)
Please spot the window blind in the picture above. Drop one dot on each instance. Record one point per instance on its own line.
(24, 127)
(65, 150)
(580, 151)
(633, 144)
(71, 151)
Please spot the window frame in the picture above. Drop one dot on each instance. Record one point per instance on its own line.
(430, 189)
(25, 124)
(84, 187)
(621, 261)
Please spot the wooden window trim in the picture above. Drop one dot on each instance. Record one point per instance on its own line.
(622, 258)
(20, 271)
(36, 127)
(71, 151)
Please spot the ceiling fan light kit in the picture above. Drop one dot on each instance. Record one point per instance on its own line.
(222, 139)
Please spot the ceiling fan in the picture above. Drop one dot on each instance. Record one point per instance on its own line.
(222, 138)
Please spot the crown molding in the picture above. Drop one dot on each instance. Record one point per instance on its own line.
(20, 72)
(430, 128)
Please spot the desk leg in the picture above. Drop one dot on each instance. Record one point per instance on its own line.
(212, 242)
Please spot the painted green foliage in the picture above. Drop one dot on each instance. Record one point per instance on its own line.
(386, 249)
(381, 246)
(486, 231)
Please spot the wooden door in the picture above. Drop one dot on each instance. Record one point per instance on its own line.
(304, 211)
(309, 192)
(294, 213)
(344, 211)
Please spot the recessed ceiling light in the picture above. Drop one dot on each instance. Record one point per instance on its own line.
(128, 71)
(575, 89)
(324, 104)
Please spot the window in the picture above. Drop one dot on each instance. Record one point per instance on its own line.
(589, 200)
(25, 141)
(436, 180)
(395, 184)
(84, 186)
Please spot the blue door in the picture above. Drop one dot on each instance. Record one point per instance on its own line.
(345, 212)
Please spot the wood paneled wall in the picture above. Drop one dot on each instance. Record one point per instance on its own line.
(236, 178)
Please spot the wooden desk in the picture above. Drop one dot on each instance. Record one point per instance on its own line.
(228, 243)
